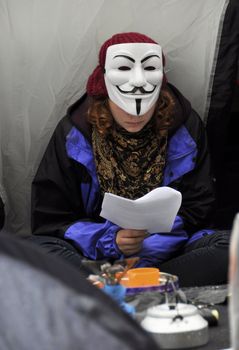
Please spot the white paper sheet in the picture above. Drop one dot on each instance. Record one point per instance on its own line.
(154, 212)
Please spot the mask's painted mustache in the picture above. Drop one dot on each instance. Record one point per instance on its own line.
(135, 89)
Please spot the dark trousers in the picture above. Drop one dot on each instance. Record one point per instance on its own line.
(63, 249)
(204, 262)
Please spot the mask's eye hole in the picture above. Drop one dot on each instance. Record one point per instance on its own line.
(124, 68)
(149, 68)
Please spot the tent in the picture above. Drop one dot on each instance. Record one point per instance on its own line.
(49, 48)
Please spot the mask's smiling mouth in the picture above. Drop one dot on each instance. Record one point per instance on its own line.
(141, 90)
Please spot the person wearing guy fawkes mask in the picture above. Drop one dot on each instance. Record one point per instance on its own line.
(129, 134)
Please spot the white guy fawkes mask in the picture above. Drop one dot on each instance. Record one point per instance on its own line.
(134, 75)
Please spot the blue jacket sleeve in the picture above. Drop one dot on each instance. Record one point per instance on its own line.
(95, 240)
(159, 247)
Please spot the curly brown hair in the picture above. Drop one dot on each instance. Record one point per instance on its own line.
(99, 113)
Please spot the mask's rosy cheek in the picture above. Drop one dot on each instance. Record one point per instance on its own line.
(155, 77)
(116, 77)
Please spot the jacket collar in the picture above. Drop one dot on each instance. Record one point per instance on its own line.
(78, 112)
(78, 116)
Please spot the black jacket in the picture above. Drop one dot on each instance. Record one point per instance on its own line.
(66, 198)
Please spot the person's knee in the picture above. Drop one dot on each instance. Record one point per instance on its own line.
(220, 239)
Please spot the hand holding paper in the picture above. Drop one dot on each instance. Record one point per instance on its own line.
(154, 212)
(129, 241)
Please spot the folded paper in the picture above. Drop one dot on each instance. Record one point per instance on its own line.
(154, 212)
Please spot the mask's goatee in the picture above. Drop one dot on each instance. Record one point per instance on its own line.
(138, 105)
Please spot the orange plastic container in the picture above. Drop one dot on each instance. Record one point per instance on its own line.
(141, 277)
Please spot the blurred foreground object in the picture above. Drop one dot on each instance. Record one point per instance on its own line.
(48, 304)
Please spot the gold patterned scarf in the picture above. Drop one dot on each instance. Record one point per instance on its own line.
(130, 164)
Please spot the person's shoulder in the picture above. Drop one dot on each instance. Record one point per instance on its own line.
(62, 128)
(184, 113)
(181, 110)
(194, 122)
(76, 116)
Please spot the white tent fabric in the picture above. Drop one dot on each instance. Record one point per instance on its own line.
(49, 48)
